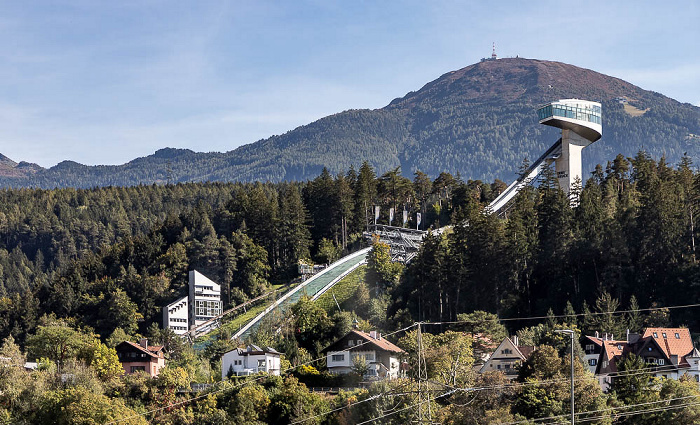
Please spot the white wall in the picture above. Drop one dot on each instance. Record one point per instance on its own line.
(203, 290)
(175, 316)
(249, 363)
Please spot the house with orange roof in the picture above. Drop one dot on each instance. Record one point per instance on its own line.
(668, 351)
(141, 357)
(383, 359)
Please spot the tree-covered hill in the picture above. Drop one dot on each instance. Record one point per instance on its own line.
(479, 121)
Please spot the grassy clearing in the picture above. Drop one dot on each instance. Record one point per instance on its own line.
(634, 112)
(343, 290)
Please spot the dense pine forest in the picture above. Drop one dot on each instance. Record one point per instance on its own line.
(97, 265)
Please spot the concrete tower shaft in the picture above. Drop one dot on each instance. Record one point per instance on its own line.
(580, 123)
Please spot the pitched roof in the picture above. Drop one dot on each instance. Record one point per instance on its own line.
(153, 351)
(671, 345)
(254, 350)
(596, 340)
(614, 349)
(379, 342)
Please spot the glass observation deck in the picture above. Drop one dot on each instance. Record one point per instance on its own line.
(583, 112)
(581, 116)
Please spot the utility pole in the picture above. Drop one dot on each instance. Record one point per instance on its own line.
(571, 334)
(422, 375)
(419, 344)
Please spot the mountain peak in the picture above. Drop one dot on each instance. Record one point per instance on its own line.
(479, 121)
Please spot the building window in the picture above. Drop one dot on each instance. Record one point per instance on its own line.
(589, 347)
(592, 362)
(261, 364)
(350, 343)
(338, 357)
(369, 357)
(619, 346)
(661, 362)
(656, 335)
(677, 335)
(135, 369)
(663, 334)
(499, 367)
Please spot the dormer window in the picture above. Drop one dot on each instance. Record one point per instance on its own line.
(656, 335)
(619, 346)
(664, 335)
(677, 335)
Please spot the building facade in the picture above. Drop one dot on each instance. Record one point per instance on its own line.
(381, 358)
(507, 358)
(141, 357)
(669, 353)
(250, 360)
(202, 304)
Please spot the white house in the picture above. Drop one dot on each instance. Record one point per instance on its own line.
(250, 360)
(507, 358)
(202, 303)
(382, 358)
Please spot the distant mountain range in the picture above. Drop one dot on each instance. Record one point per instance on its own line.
(479, 121)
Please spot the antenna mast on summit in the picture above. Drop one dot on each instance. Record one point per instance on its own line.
(493, 55)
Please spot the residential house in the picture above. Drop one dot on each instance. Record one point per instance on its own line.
(141, 357)
(507, 358)
(669, 352)
(592, 346)
(382, 358)
(252, 359)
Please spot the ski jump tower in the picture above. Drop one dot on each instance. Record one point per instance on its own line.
(580, 124)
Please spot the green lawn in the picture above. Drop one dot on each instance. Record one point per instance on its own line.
(343, 290)
(236, 321)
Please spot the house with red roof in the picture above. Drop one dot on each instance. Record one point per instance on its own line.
(383, 359)
(669, 352)
(141, 357)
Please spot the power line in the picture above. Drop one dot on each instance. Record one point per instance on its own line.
(216, 391)
(559, 316)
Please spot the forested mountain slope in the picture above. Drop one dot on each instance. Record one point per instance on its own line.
(479, 121)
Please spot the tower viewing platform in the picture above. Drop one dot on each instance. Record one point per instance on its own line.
(581, 124)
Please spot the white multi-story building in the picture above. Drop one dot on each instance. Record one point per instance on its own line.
(250, 360)
(176, 316)
(205, 298)
(202, 304)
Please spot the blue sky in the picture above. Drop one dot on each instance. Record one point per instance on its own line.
(106, 82)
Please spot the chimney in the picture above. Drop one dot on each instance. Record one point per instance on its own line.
(143, 342)
(597, 335)
(373, 334)
(515, 340)
(628, 336)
